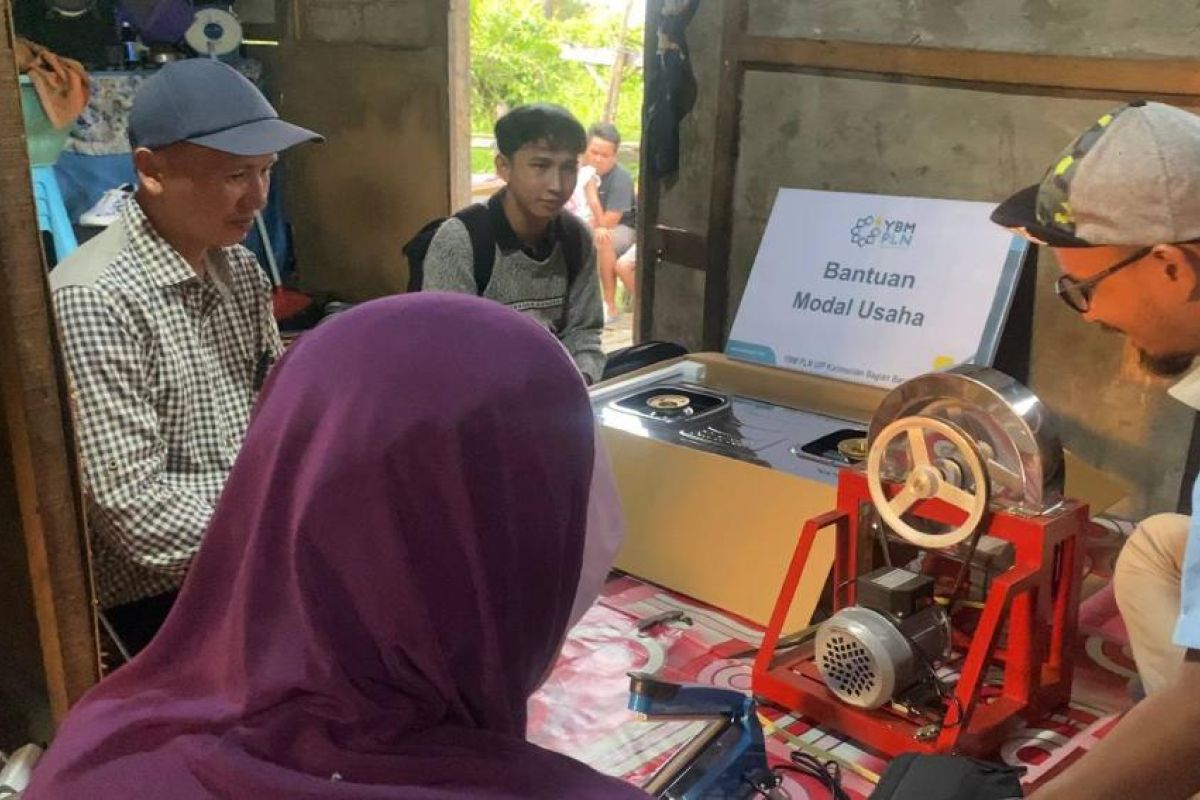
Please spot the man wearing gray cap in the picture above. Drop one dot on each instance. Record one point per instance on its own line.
(168, 332)
(1121, 209)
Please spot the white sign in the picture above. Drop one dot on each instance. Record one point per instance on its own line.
(876, 289)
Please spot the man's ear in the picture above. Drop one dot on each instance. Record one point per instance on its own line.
(150, 168)
(503, 166)
(1181, 266)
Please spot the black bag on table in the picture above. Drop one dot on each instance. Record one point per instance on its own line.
(635, 357)
(912, 776)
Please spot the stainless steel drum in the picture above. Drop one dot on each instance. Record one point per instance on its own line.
(1004, 422)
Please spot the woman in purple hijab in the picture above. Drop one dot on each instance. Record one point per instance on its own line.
(388, 575)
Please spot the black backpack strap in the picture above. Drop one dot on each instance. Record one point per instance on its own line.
(476, 219)
(415, 251)
(573, 230)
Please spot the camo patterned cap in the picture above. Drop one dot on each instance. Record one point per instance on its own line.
(1132, 178)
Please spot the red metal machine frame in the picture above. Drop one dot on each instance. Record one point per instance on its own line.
(1034, 605)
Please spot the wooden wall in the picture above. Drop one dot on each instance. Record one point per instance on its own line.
(965, 99)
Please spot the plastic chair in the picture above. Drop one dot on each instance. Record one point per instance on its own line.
(45, 142)
(52, 212)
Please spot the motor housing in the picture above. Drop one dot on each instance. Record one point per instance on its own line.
(868, 658)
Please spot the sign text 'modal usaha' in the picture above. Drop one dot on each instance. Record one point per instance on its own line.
(835, 305)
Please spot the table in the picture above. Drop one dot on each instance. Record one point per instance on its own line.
(581, 709)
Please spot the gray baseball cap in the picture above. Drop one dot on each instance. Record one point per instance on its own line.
(206, 102)
(1132, 178)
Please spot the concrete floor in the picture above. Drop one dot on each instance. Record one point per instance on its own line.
(619, 334)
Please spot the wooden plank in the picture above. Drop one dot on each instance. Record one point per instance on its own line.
(1165, 78)
(725, 154)
(33, 391)
(679, 246)
(459, 39)
(649, 187)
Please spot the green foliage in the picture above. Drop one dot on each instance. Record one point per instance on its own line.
(564, 9)
(483, 160)
(516, 58)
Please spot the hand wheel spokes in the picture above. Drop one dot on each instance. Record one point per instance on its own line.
(924, 480)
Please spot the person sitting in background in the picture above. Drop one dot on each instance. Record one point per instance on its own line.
(613, 213)
(545, 262)
(384, 584)
(625, 268)
(578, 204)
(168, 332)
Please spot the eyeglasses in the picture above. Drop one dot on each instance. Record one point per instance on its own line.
(1078, 294)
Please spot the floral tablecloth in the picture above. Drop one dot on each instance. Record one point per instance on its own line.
(581, 710)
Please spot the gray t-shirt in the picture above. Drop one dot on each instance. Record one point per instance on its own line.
(616, 194)
(536, 288)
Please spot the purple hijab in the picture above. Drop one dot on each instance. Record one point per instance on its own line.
(387, 577)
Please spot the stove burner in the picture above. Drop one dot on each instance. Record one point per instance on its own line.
(855, 449)
(669, 402)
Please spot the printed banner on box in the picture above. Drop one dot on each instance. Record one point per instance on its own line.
(876, 289)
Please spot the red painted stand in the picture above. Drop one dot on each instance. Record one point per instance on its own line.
(1033, 605)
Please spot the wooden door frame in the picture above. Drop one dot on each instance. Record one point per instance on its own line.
(459, 95)
(33, 389)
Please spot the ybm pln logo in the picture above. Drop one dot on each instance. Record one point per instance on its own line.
(873, 230)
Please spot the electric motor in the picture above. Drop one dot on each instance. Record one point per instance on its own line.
(868, 658)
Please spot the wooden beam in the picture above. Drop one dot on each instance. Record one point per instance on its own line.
(33, 390)
(679, 246)
(459, 61)
(1167, 78)
(725, 155)
(649, 187)
(618, 67)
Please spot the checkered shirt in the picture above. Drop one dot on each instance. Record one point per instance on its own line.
(165, 367)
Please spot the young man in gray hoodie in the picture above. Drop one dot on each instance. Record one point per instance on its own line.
(536, 239)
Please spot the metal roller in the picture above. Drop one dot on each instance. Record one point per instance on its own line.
(1006, 424)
